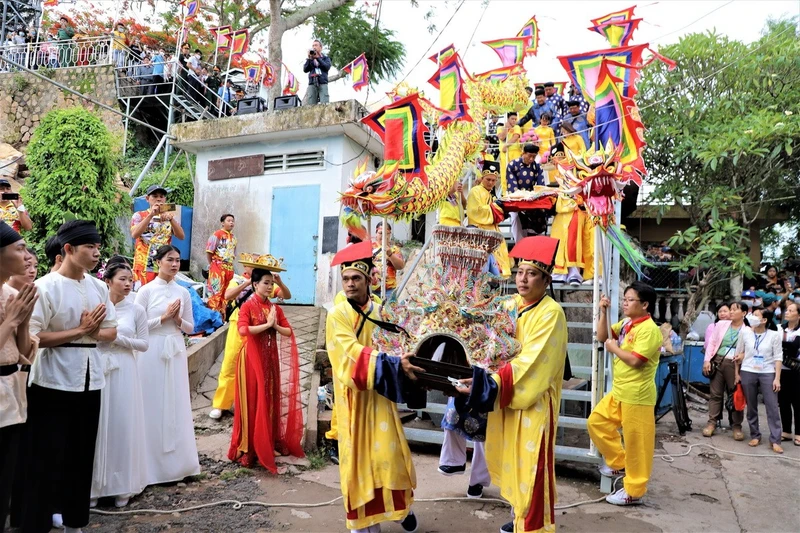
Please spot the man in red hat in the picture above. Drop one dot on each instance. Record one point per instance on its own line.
(524, 396)
(375, 468)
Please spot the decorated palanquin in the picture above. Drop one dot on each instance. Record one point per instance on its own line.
(453, 317)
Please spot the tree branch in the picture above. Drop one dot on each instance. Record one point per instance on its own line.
(336, 77)
(320, 6)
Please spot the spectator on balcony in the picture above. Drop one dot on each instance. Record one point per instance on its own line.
(225, 97)
(317, 66)
(136, 50)
(144, 75)
(119, 46)
(158, 71)
(66, 32)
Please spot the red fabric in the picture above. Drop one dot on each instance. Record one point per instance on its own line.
(739, 402)
(497, 213)
(525, 205)
(361, 370)
(377, 506)
(572, 238)
(640, 356)
(272, 383)
(534, 520)
(144, 277)
(219, 275)
(506, 385)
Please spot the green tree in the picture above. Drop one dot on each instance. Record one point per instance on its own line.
(72, 174)
(721, 132)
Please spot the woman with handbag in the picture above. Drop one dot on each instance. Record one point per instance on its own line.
(789, 395)
(720, 367)
(760, 371)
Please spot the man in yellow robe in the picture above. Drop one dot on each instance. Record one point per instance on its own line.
(486, 212)
(375, 469)
(524, 396)
(451, 212)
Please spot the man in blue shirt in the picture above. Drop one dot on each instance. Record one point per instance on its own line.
(539, 108)
(557, 101)
(522, 175)
(158, 71)
(225, 96)
(578, 121)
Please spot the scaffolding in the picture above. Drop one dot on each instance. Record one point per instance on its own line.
(20, 15)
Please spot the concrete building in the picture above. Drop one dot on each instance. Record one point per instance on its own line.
(280, 174)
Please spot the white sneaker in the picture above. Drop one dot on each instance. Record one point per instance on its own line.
(92, 503)
(216, 414)
(607, 471)
(621, 498)
(58, 521)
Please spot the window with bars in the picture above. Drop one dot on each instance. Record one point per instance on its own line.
(277, 163)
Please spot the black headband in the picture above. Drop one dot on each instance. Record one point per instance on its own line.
(8, 235)
(76, 236)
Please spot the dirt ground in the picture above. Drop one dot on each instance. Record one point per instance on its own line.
(704, 491)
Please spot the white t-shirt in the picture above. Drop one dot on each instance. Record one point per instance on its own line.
(61, 302)
(766, 351)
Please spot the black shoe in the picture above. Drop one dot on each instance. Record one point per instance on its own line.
(333, 451)
(452, 470)
(409, 523)
(507, 528)
(475, 491)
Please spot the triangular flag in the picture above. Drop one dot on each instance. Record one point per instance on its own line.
(531, 30)
(511, 50)
(359, 72)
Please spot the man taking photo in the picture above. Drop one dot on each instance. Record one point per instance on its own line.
(12, 212)
(317, 66)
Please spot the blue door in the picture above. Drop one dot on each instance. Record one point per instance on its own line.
(293, 236)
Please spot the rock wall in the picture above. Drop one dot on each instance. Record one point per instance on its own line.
(25, 99)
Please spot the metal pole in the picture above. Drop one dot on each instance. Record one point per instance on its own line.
(76, 93)
(3, 28)
(189, 165)
(166, 175)
(147, 166)
(385, 261)
(414, 265)
(125, 136)
(225, 83)
(595, 343)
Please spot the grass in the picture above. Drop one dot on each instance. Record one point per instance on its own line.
(199, 477)
(234, 474)
(318, 459)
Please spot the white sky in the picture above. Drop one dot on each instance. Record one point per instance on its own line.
(562, 26)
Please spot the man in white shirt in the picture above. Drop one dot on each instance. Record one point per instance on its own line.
(72, 315)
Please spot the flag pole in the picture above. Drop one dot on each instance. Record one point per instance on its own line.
(216, 47)
(225, 83)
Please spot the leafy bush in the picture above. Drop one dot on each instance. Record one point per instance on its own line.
(72, 173)
(179, 184)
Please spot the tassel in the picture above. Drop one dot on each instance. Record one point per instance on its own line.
(628, 250)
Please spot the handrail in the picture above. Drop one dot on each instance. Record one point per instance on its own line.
(65, 53)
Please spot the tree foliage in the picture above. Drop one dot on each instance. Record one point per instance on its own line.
(726, 117)
(72, 173)
(721, 133)
(352, 32)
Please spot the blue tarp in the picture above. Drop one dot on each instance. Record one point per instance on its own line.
(205, 320)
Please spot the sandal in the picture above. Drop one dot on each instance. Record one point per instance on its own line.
(777, 448)
(797, 441)
(753, 443)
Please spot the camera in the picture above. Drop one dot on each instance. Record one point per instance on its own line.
(10, 196)
(312, 52)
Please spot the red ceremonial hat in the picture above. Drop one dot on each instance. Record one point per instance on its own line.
(539, 252)
(355, 257)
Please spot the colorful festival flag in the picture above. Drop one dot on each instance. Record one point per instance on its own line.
(239, 41)
(531, 30)
(50, 3)
(268, 72)
(617, 33)
(252, 71)
(219, 34)
(359, 72)
(292, 85)
(402, 129)
(192, 9)
(511, 50)
(618, 120)
(452, 97)
(584, 69)
(617, 16)
(499, 74)
(440, 56)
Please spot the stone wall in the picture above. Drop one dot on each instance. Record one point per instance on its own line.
(25, 99)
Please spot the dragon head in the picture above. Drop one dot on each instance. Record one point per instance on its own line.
(372, 192)
(594, 178)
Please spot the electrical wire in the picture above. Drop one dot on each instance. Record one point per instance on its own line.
(477, 25)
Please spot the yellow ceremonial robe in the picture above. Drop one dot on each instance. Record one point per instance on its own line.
(575, 234)
(521, 431)
(333, 433)
(575, 143)
(479, 213)
(375, 468)
(449, 214)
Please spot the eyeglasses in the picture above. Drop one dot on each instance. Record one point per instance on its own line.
(629, 300)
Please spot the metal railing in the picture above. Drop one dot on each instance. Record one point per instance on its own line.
(663, 278)
(78, 52)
